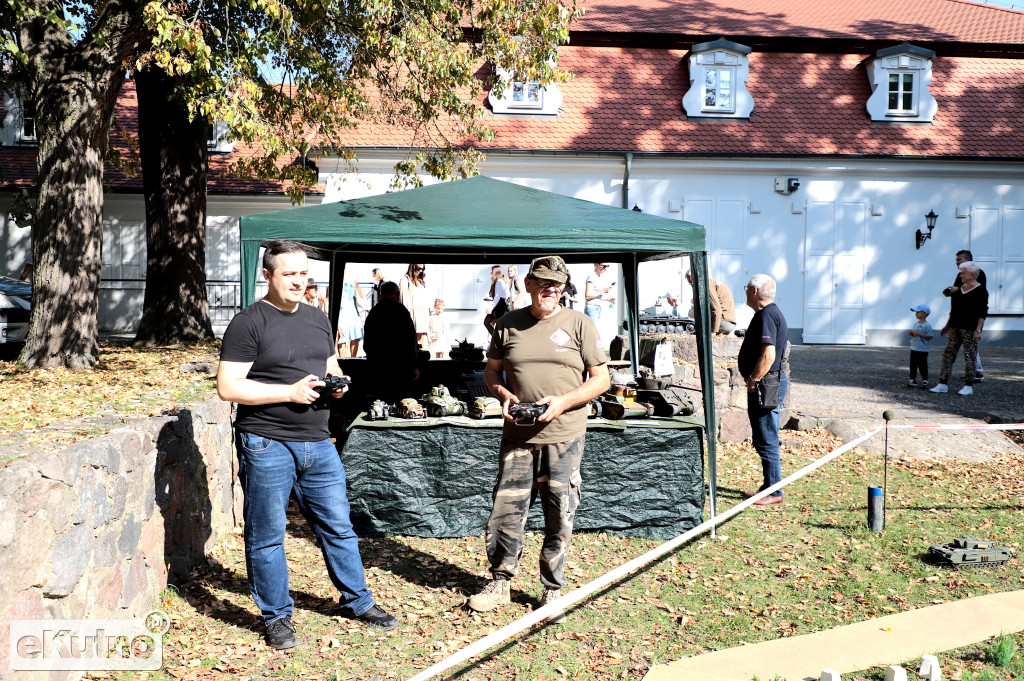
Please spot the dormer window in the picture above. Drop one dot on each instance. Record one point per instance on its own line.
(28, 120)
(718, 81)
(525, 97)
(899, 78)
(19, 119)
(216, 131)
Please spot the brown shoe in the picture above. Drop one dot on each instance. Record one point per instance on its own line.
(550, 595)
(495, 594)
(747, 495)
(768, 501)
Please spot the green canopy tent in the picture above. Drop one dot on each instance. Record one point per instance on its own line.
(482, 220)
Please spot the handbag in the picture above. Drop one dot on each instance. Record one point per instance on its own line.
(768, 389)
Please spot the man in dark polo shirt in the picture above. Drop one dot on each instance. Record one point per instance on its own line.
(761, 365)
(551, 355)
(274, 353)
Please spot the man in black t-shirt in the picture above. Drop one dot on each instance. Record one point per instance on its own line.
(961, 258)
(761, 365)
(273, 355)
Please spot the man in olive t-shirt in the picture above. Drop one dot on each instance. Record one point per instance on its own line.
(550, 355)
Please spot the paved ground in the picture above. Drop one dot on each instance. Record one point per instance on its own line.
(846, 389)
(881, 641)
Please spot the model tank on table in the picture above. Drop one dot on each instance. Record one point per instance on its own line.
(658, 319)
(439, 402)
(964, 553)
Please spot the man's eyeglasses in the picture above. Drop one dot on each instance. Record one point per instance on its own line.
(748, 288)
(548, 283)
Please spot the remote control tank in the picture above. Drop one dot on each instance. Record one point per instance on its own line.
(965, 553)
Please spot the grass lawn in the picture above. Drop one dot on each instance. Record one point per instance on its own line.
(793, 569)
(808, 565)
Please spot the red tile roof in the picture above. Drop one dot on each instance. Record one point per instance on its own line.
(625, 99)
(889, 20)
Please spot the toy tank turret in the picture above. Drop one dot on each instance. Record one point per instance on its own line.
(439, 402)
(466, 352)
(964, 553)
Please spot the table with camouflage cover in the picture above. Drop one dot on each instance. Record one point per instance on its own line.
(434, 477)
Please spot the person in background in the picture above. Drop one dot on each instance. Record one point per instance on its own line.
(389, 339)
(413, 290)
(310, 295)
(723, 306)
(968, 308)
(350, 323)
(920, 346)
(374, 293)
(549, 355)
(761, 363)
(440, 334)
(497, 297)
(598, 292)
(324, 301)
(517, 296)
(961, 258)
(570, 296)
(272, 359)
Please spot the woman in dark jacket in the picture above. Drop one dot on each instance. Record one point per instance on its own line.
(968, 309)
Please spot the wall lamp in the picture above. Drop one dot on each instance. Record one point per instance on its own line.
(930, 221)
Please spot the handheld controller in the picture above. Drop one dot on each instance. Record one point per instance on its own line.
(332, 383)
(526, 413)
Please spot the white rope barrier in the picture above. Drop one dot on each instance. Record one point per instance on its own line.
(618, 573)
(961, 426)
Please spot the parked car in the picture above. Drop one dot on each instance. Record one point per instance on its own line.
(15, 307)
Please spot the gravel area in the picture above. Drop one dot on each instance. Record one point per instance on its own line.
(846, 389)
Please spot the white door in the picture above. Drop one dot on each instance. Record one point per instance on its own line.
(997, 244)
(834, 272)
(725, 220)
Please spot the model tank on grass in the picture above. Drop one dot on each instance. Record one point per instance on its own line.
(964, 553)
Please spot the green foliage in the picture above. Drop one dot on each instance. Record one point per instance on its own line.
(413, 65)
(1002, 651)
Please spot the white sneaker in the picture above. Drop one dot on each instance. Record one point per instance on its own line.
(966, 390)
(939, 388)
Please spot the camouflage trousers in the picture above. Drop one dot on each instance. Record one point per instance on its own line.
(551, 471)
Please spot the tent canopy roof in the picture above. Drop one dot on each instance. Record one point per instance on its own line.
(454, 220)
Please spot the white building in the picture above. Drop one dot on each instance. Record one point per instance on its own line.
(810, 140)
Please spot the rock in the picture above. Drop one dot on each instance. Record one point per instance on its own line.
(128, 541)
(68, 560)
(733, 426)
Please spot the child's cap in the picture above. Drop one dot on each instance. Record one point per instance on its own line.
(921, 308)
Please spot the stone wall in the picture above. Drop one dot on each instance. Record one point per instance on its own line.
(97, 530)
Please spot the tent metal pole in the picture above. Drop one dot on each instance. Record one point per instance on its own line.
(337, 285)
(705, 356)
(633, 313)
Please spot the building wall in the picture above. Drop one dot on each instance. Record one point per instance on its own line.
(841, 246)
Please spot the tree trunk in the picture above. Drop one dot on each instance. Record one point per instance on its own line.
(174, 163)
(74, 120)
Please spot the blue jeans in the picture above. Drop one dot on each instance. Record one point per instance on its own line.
(593, 310)
(270, 470)
(764, 428)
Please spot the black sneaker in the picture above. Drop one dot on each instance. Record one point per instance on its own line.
(281, 634)
(378, 619)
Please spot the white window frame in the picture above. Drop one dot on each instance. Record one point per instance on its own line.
(524, 86)
(23, 104)
(12, 130)
(215, 142)
(719, 108)
(720, 56)
(901, 61)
